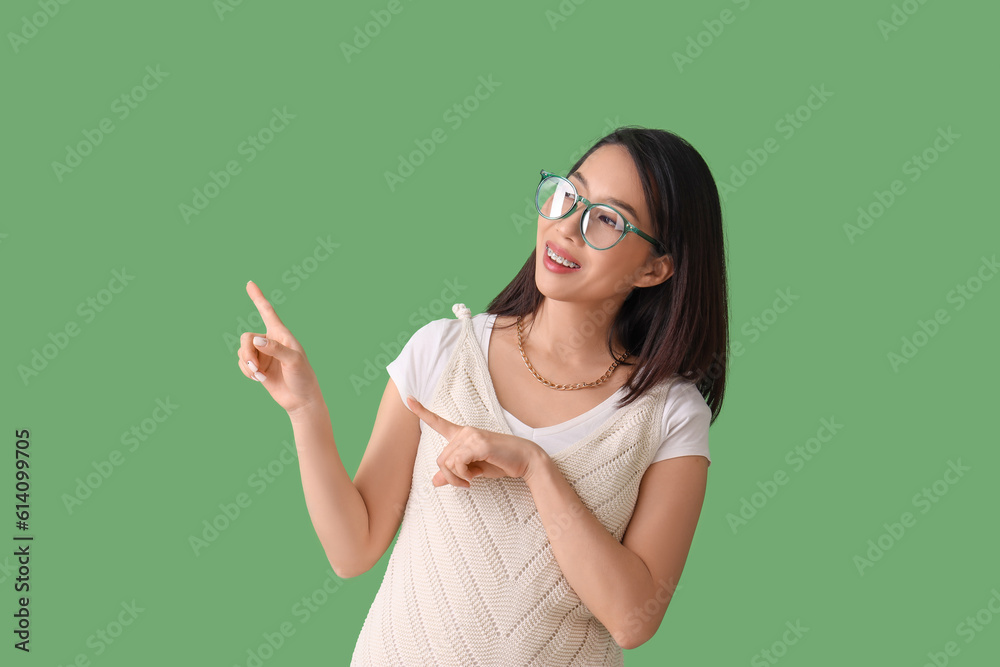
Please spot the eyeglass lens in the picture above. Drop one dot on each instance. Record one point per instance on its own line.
(602, 226)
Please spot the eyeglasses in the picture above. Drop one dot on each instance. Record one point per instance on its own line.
(602, 225)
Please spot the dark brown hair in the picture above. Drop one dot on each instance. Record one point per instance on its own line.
(680, 326)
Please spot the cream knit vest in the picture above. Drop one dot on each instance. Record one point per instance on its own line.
(472, 579)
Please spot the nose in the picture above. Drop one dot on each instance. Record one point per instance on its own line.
(570, 225)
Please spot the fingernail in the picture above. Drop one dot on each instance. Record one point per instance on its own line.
(257, 340)
(252, 365)
(260, 376)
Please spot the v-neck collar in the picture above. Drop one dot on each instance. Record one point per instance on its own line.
(554, 428)
(505, 417)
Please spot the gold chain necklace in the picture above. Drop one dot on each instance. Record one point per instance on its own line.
(564, 387)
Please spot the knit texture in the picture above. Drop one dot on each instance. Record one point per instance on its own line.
(472, 579)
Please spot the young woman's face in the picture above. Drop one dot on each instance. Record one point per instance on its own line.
(608, 174)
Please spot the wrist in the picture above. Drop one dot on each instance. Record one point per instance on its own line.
(539, 465)
(309, 411)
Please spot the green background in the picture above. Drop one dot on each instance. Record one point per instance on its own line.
(566, 74)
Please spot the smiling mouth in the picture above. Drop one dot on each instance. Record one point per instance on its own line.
(558, 259)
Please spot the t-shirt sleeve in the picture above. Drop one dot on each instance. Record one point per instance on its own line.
(686, 420)
(415, 370)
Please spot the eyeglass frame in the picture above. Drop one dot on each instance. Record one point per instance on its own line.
(629, 227)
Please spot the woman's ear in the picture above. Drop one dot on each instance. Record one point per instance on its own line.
(657, 270)
(668, 263)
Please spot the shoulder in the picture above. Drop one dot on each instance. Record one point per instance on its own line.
(685, 407)
(686, 421)
(683, 395)
(441, 334)
(435, 334)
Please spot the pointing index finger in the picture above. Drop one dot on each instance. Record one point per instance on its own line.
(435, 421)
(271, 319)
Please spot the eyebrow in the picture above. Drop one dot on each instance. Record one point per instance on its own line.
(610, 200)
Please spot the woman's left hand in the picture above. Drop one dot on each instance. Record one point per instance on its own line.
(474, 452)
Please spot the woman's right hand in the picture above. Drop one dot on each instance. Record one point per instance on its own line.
(280, 364)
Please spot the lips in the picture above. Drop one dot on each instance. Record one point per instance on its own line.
(562, 253)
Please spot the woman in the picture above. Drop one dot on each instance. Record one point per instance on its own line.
(547, 487)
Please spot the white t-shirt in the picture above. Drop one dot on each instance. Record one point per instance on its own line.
(686, 415)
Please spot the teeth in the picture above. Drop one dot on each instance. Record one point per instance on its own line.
(560, 260)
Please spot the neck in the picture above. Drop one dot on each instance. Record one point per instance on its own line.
(571, 334)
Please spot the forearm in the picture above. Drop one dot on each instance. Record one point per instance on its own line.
(337, 509)
(608, 577)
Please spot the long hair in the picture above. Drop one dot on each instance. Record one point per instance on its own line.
(680, 326)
